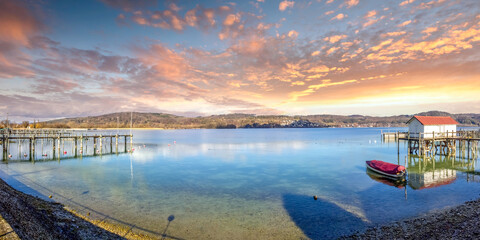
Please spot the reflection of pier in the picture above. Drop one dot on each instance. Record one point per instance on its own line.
(23, 144)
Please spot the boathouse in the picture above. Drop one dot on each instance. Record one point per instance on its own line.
(430, 127)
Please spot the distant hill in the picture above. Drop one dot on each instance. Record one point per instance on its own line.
(169, 121)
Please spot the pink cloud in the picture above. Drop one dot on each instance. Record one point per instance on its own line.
(403, 24)
(335, 38)
(17, 23)
(371, 14)
(406, 2)
(285, 4)
(293, 34)
(339, 16)
(329, 12)
(351, 3)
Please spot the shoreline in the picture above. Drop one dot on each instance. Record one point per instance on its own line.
(32, 217)
(23, 216)
(458, 222)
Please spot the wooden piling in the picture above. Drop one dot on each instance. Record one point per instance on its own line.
(30, 149)
(101, 145)
(75, 150)
(94, 146)
(53, 143)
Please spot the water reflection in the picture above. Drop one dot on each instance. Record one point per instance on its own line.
(436, 171)
(398, 183)
(225, 151)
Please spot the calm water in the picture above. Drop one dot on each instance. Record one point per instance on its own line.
(248, 183)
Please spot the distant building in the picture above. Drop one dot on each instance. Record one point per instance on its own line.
(426, 126)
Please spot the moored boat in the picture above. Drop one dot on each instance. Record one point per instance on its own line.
(386, 169)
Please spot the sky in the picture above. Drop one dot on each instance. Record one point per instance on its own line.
(195, 58)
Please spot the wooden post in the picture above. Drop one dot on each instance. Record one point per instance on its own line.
(33, 146)
(4, 146)
(94, 145)
(53, 153)
(81, 145)
(434, 147)
(468, 149)
(398, 150)
(30, 149)
(116, 143)
(125, 143)
(59, 154)
(101, 145)
(111, 144)
(75, 145)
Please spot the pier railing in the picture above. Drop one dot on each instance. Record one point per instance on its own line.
(444, 143)
(23, 144)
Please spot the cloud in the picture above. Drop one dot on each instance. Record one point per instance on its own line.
(351, 3)
(257, 65)
(406, 2)
(313, 88)
(17, 23)
(371, 14)
(339, 16)
(293, 34)
(453, 40)
(329, 12)
(393, 34)
(230, 20)
(335, 38)
(285, 4)
(18, 26)
(403, 24)
(198, 17)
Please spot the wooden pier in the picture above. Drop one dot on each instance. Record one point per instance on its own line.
(22, 144)
(463, 144)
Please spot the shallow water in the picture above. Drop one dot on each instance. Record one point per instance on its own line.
(248, 183)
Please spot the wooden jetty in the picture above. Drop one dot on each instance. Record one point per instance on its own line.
(463, 144)
(61, 143)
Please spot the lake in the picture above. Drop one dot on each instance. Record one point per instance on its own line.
(249, 183)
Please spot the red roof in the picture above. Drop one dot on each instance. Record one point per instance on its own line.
(429, 120)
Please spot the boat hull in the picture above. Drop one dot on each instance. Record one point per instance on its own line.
(393, 176)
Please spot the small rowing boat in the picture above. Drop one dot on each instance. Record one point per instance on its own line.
(387, 169)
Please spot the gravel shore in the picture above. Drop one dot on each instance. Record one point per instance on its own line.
(461, 222)
(34, 218)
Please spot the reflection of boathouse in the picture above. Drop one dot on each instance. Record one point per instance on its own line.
(432, 179)
(436, 171)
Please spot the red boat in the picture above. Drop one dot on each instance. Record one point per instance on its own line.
(387, 169)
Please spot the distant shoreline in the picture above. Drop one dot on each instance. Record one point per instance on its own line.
(124, 120)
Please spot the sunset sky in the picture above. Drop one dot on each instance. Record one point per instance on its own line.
(84, 58)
